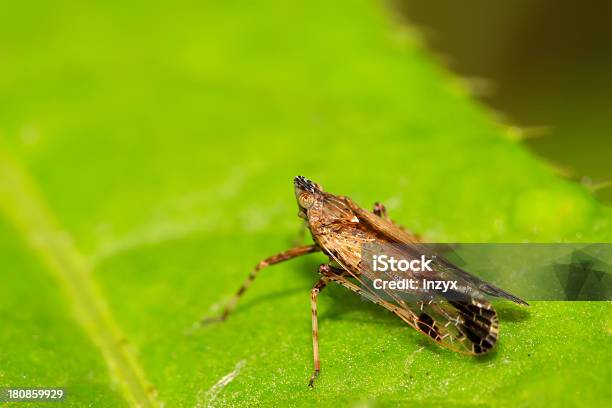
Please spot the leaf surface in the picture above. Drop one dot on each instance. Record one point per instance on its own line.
(147, 156)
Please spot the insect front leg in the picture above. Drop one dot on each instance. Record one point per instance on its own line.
(272, 260)
(315, 328)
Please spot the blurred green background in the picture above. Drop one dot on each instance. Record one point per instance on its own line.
(147, 152)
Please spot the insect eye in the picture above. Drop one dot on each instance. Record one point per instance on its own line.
(306, 200)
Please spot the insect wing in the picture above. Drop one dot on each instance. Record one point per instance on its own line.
(459, 319)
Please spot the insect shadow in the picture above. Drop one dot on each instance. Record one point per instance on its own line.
(279, 294)
(300, 271)
(508, 312)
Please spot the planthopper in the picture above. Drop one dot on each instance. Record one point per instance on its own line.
(429, 293)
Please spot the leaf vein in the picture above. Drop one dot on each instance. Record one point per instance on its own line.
(25, 208)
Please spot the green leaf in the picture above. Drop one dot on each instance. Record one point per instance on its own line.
(146, 164)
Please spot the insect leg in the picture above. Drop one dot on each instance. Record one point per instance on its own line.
(381, 211)
(315, 328)
(272, 260)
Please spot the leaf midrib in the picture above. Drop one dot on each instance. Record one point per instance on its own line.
(25, 208)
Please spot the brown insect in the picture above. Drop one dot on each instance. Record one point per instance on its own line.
(461, 319)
